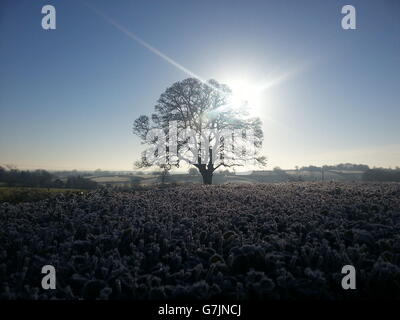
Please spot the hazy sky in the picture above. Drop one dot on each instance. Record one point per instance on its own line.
(68, 97)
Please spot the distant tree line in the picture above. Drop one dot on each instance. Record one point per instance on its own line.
(380, 174)
(42, 179)
(340, 166)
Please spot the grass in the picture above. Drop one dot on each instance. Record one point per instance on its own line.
(25, 194)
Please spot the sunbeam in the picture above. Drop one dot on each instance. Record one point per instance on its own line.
(142, 42)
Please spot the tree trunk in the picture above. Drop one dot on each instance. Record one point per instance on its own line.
(206, 170)
(207, 177)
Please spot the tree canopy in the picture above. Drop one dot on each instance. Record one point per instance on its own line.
(195, 122)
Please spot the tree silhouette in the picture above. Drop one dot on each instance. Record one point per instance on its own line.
(210, 132)
(193, 172)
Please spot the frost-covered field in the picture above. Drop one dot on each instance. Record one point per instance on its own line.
(266, 241)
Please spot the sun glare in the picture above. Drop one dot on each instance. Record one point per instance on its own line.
(246, 95)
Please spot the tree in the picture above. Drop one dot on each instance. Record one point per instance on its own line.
(209, 131)
(2, 173)
(164, 173)
(193, 172)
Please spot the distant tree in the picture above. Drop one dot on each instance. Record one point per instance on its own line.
(11, 166)
(311, 168)
(2, 173)
(43, 178)
(193, 172)
(346, 166)
(37, 178)
(282, 174)
(204, 109)
(225, 172)
(164, 173)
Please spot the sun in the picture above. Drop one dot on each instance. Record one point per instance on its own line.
(246, 94)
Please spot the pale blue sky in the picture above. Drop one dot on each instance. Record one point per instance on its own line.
(68, 97)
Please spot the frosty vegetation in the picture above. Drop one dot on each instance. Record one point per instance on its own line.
(262, 241)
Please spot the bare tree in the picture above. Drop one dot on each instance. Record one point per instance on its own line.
(204, 110)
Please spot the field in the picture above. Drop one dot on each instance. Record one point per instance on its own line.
(231, 241)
